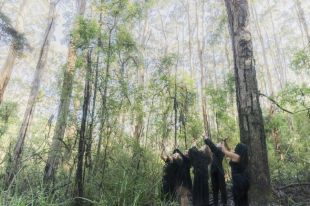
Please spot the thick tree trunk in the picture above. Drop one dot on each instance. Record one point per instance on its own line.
(79, 180)
(14, 165)
(7, 68)
(250, 115)
(63, 109)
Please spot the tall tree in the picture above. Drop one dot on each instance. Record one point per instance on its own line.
(250, 115)
(14, 164)
(7, 68)
(79, 178)
(200, 53)
(302, 19)
(280, 59)
(262, 43)
(63, 108)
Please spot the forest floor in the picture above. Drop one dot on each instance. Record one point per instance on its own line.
(293, 194)
(289, 195)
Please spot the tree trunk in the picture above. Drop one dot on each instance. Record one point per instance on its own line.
(261, 40)
(200, 51)
(104, 96)
(302, 19)
(279, 56)
(7, 68)
(14, 165)
(88, 157)
(250, 115)
(63, 109)
(79, 180)
(189, 29)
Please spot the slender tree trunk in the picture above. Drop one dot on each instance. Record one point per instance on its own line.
(250, 115)
(279, 56)
(261, 40)
(88, 158)
(274, 62)
(7, 68)
(175, 109)
(304, 42)
(302, 19)
(54, 155)
(104, 114)
(15, 164)
(189, 28)
(200, 51)
(79, 180)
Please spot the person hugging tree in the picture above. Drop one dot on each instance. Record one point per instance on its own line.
(217, 173)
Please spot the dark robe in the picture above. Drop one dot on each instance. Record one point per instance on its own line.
(200, 162)
(217, 174)
(240, 177)
(183, 177)
(176, 173)
(169, 177)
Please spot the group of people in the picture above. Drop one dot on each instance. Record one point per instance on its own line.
(177, 182)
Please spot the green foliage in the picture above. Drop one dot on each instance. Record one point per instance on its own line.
(295, 97)
(230, 84)
(191, 127)
(301, 60)
(86, 33)
(220, 100)
(7, 114)
(125, 41)
(289, 136)
(130, 175)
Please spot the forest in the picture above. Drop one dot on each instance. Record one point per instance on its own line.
(94, 92)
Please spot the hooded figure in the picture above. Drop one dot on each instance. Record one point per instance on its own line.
(200, 160)
(240, 177)
(217, 173)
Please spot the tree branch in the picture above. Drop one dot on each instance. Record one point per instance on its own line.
(276, 103)
(294, 185)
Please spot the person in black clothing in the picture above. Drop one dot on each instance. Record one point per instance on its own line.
(176, 179)
(239, 172)
(200, 160)
(169, 174)
(217, 173)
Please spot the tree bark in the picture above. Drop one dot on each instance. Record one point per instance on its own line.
(79, 180)
(7, 68)
(15, 164)
(63, 109)
(104, 96)
(250, 115)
